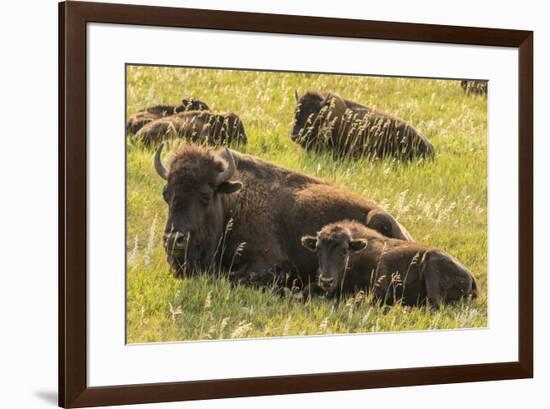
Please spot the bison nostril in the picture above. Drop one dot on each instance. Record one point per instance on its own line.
(175, 241)
(326, 280)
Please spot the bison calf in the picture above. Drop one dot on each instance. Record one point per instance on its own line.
(203, 127)
(326, 121)
(143, 117)
(353, 257)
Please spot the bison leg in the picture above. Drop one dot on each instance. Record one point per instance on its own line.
(382, 288)
(433, 289)
(432, 279)
(259, 273)
(313, 290)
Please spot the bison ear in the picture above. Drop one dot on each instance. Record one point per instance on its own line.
(229, 187)
(358, 245)
(309, 242)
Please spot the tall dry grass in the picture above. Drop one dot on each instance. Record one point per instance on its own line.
(442, 203)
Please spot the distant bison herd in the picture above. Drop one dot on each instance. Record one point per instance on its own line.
(268, 226)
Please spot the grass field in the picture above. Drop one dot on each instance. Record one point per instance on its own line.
(442, 203)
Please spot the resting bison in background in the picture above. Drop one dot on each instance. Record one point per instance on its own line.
(202, 127)
(236, 213)
(326, 121)
(353, 257)
(139, 119)
(474, 87)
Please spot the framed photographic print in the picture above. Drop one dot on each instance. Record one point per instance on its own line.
(257, 204)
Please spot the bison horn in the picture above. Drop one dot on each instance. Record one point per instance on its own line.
(159, 167)
(226, 174)
(296, 95)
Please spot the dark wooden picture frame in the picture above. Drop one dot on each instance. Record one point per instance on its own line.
(73, 388)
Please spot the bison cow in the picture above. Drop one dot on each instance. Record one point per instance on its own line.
(471, 87)
(235, 213)
(202, 127)
(326, 121)
(353, 257)
(143, 117)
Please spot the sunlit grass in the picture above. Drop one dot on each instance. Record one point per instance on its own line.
(442, 203)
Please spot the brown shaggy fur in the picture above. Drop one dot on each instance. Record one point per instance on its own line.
(326, 121)
(143, 117)
(474, 87)
(138, 120)
(202, 127)
(268, 208)
(354, 257)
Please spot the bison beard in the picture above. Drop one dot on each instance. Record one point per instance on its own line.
(244, 216)
(196, 259)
